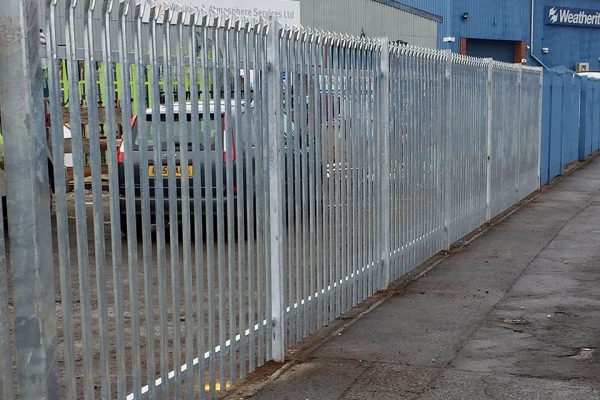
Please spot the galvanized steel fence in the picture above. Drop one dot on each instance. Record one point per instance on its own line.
(266, 180)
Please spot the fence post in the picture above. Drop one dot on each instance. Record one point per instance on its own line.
(519, 132)
(540, 127)
(384, 143)
(447, 144)
(23, 127)
(275, 192)
(490, 110)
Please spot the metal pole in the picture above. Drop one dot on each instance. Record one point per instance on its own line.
(490, 108)
(447, 144)
(275, 192)
(519, 133)
(384, 143)
(28, 199)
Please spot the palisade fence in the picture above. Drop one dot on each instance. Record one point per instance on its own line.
(317, 168)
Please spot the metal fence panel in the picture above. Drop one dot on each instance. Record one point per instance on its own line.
(236, 185)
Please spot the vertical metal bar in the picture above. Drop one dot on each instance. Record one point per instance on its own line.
(357, 128)
(346, 90)
(209, 166)
(363, 160)
(422, 159)
(244, 228)
(342, 165)
(354, 127)
(241, 151)
(433, 166)
(411, 154)
(288, 130)
(98, 214)
(253, 296)
(249, 170)
(132, 257)
(374, 255)
(397, 135)
(200, 266)
(297, 179)
(172, 195)
(372, 259)
(325, 138)
(330, 157)
(384, 178)
(369, 154)
(490, 110)
(336, 168)
(447, 133)
(319, 95)
(218, 166)
(62, 227)
(310, 138)
(28, 201)
(275, 192)
(161, 265)
(405, 140)
(184, 161)
(419, 156)
(261, 217)
(80, 207)
(301, 124)
(229, 184)
(262, 199)
(142, 100)
(441, 150)
(113, 182)
(266, 297)
(360, 173)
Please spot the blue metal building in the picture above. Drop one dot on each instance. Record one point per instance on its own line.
(560, 33)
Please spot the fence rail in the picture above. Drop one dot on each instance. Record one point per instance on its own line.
(262, 180)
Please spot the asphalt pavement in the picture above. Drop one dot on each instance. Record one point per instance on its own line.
(514, 315)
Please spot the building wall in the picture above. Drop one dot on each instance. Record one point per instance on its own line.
(440, 8)
(372, 18)
(511, 20)
(567, 45)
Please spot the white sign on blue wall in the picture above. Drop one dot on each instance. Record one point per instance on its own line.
(572, 16)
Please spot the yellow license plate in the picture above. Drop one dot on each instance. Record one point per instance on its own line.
(164, 170)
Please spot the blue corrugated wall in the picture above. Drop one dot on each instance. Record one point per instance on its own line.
(511, 20)
(570, 121)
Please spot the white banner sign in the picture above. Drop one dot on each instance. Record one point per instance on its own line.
(287, 11)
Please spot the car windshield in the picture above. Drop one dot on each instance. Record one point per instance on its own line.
(180, 129)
